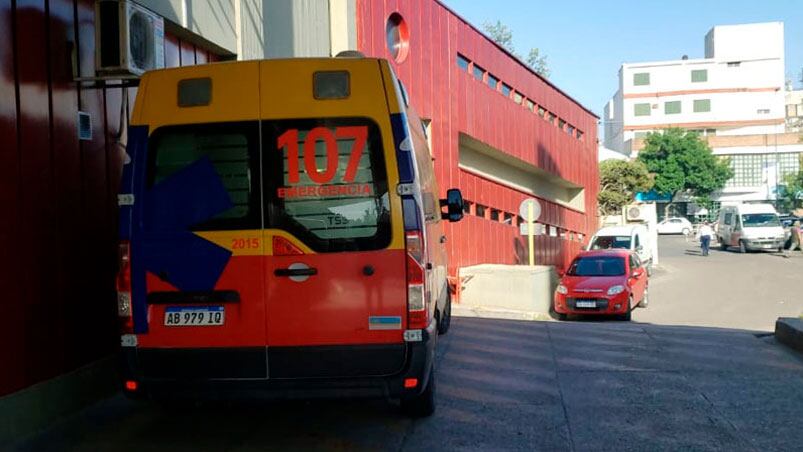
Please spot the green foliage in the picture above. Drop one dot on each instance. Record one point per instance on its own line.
(683, 163)
(619, 182)
(789, 192)
(503, 36)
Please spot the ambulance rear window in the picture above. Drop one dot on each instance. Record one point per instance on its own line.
(326, 182)
(206, 176)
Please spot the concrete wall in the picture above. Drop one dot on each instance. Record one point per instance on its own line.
(508, 287)
(214, 20)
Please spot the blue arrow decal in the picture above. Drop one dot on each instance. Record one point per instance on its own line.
(191, 196)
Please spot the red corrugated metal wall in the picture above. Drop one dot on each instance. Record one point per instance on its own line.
(457, 103)
(58, 194)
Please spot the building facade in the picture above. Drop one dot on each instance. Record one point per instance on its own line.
(498, 131)
(794, 111)
(734, 98)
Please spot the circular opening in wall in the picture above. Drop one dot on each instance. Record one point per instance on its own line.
(398, 37)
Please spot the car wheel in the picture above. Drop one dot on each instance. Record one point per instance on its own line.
(627, 316)
(685, 231)
(722, 245)
(562, 317)
(742, 247)
(446, 317)
(422, 405)
(645, 300)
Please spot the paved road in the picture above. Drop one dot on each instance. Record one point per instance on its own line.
(516, 385)
(725, 289)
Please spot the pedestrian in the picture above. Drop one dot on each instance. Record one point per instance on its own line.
(794, 242)
(705, 233)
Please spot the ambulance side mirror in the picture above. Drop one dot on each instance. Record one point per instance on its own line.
(453, 204)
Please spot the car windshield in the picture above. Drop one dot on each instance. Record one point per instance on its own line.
(597, 266)
(760, 220)
(606, 242)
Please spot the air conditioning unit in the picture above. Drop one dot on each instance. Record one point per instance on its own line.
(635, 212)
(129, 39)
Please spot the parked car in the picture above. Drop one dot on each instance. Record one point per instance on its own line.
(611, 282)
(750, 227)
(632, 237)
(675, 225)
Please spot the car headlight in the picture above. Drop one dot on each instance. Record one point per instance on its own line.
(562, 289)
(615, 290)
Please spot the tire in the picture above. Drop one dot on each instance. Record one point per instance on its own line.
(629, 314)
(446, 317)
(562, 317)
(422, 405)
(742, 247)
(645, 300)
(722, 245)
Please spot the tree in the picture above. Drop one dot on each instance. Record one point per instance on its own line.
(789, 193)
(683, 163)
(502, 35)
(619, 181)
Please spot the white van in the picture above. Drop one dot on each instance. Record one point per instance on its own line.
(633, 237)
(750, 227)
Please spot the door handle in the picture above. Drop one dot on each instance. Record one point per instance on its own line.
(286, 272)
(443, 239)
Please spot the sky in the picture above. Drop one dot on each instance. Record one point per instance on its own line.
(586, 41)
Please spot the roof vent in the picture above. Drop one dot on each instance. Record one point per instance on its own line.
(350, 54)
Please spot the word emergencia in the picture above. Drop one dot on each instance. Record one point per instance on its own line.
(323, 191)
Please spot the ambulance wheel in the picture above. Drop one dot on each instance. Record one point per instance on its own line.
(422, 405)
(446, 316)
(722, 245)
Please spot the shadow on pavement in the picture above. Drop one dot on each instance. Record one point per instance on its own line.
(509, 385)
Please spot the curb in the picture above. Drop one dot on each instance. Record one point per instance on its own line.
(497, 313)
(789, 331)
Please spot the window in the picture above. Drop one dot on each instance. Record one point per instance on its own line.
(467, 207)
(570, 130)
(702, 105)
(493, 82)
(462, 62)
(641, 109)
(710, 131)
(552, 118)
(204, 159)
(763, 111)
(517, 98)
(672, 108)
(494, 215)
(480, 210)
(750, 170)
(508, 218)
(316, 199)
(579, 135)
(734, 63)
(541, 111)
(700, 75)
(561, 124)
(597, 266)
(529, 104)
(479, 73)
(506, 90)
(728, 218)
(641, 79)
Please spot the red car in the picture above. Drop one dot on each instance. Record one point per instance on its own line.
(609, 282)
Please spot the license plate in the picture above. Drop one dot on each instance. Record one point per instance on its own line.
(586, 304)
(195, 316)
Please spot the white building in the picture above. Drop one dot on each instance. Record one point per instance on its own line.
(794, 111)
(734, 97)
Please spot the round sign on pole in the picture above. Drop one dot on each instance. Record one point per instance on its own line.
(524, 209)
